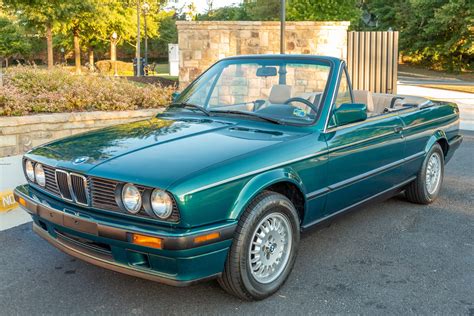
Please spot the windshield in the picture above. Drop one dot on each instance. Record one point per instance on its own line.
(282, 89)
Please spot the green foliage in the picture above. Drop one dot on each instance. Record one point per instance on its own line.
(237, 13)
(36, 14)
(168, 34)
(263, 10)
(324, 10)
(434, 33)
(259, 10)
(94, 21)
(28, 90)
(13, 39)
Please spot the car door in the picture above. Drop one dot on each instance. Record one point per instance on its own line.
(363, 157)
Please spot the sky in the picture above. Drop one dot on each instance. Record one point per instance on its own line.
(202, 5)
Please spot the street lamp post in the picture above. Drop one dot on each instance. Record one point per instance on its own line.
(146, 9)
(63, 57)
(114, 38)
(282, 26)
(137, 55)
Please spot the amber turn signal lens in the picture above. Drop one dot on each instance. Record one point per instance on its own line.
(203, 238)
(22, 201)
(147, 241)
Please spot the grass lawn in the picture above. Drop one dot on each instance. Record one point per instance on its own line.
(163, 71)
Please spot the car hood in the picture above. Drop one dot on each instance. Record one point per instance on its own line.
(158, 151)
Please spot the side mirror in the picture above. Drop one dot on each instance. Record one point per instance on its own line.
(175, 95)
(350, 113)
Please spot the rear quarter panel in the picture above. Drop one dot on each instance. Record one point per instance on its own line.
(424, 126)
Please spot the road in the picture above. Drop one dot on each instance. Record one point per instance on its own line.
(390, 258)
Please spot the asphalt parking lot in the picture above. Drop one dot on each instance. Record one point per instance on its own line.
(390, 258)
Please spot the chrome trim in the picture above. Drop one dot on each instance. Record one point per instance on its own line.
(86, 188)
(368, 119)
(255, 172)
(362, 176)
(330, 150)
(430, 121)
(348, 208)
(68, 179)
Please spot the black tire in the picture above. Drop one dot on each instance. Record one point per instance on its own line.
(237, 278)
(417, 191)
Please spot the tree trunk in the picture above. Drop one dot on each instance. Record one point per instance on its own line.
(91, 59)
(49, 45)
(113, 50)
(77, 52)
(6, 62)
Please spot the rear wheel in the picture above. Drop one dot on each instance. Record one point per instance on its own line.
(425, 189)
(264, 248)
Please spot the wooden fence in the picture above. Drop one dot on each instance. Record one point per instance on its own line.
(372, 60)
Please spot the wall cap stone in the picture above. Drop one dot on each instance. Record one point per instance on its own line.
(11, 121)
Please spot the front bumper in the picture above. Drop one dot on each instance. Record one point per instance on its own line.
(106, 241)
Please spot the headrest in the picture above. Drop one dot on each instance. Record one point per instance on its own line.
(279, 94)
(365, 97)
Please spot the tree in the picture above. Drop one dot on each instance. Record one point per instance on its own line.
(13, 40)
(168, 33)
(434, 33)
(41, 15)
(260, 10)
(263, 10)
(324, 10)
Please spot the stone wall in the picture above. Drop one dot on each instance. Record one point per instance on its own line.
(19, 134)
(201, 43)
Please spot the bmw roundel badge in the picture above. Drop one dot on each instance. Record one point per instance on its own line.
(80, 160)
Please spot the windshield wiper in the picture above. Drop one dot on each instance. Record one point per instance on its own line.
(191, 106)
(265, 118)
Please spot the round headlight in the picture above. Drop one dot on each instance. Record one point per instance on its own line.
(131, 198)
(161, 203)
(29, 170)
(39, 175)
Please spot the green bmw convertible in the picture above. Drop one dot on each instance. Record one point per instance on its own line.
(251, 154)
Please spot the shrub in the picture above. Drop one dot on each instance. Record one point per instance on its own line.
(108, 67)
(28, 90)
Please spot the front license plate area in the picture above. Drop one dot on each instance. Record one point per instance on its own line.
(78, 224)
(50, 215)
(70, 221)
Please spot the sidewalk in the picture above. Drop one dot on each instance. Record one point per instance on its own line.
(11, 175)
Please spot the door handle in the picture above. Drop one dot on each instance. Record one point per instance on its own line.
(398, 129)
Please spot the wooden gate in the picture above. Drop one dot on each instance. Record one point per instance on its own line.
(372, 60)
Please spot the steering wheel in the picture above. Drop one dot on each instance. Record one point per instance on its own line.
(304, 101)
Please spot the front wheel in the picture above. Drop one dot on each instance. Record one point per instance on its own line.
(425, 189)
(264, 248)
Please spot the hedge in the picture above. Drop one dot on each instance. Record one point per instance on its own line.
(28, 90)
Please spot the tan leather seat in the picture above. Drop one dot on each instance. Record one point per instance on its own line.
(279, 94)
(382, 101)
(376, 102)
(365, 97)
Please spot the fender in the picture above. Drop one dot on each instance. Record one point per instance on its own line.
(261, 181)
(439, 134)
